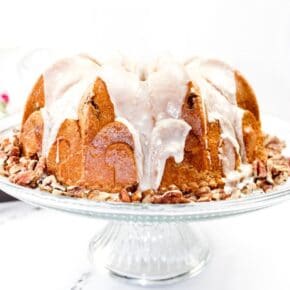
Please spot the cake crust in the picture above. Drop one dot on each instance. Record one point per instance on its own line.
(97, 150)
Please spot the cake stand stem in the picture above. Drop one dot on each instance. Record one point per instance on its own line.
(149, 253)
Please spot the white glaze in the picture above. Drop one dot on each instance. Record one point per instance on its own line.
(238, 178)
(221, 77)
(218, 90)
(148, 100)
(64, 85)
(150, 108)
(144, 99)
(167, 140)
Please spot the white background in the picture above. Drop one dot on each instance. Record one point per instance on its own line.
(253, 36)
(46, 250)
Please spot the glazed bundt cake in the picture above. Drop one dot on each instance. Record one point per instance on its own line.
(144, 127)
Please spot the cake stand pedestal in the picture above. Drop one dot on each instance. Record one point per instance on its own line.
(150, 253)
(150, 244)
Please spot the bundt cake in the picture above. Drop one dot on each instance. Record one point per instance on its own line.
(121, 125)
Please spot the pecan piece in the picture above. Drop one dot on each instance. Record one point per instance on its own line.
(15, 169)
(73, 191)
(205, 197)
(15, 151)
(259, 169)
(174, 196)
(40, 167)
(273, 143)
(203, 190)
(124, 195)
(136, 196)
(23, 178)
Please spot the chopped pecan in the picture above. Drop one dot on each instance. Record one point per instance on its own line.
(264, 185)
(248, 188)
(40, 168)
(31, 164)
(23, 178)
(48, 180)
(273, 143)
(205, 197)
(218, 194)
(15, 151)
(225, 195)
(236, 193)
(136, 196)
(203, 191)
(73, 191)
(259, 169)
(3, 170)
(45, 187)
(124, 196)
(15, 168)
(4, 143)
(281, 178)
(102, 196)
(147, 198)
(24, 161)
(12, 160)
(212, 184)
(7, 149)
(3, 157)
(174, 196)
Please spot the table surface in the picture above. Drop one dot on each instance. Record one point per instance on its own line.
(45, 249)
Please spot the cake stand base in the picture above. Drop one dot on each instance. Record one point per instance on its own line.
(149, 253)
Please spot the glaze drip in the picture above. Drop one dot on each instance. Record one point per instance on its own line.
(216, 82)
(147, 99)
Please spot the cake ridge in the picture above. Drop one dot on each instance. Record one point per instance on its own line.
(148, 99)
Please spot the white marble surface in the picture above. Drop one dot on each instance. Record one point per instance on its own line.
(43, 249)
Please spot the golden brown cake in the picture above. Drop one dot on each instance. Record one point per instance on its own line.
(119, 125)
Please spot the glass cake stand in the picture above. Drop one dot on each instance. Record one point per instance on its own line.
(151, 244)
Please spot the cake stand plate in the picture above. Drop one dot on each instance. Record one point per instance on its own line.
(151, 244)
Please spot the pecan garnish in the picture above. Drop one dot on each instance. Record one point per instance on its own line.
(274, 143)
(136, 196)
(73, 191)
(32, 172)
(259, 169)
(15, 151)
(203, 190)
(23, 178)
(174, 196)
(124, 196)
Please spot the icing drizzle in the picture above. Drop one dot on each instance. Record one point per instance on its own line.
(148, 100)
